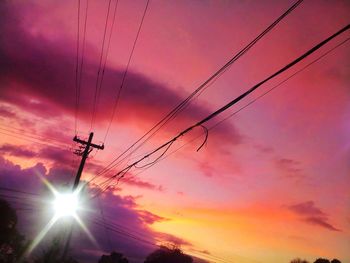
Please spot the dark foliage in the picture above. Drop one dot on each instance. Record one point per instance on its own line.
(322, 260)
(12, 244)
(168, 255)
(53, 254)
(298, 260)
(114, 257)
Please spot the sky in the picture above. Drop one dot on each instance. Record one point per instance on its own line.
(271, 182)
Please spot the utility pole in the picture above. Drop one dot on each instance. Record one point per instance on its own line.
(88, 147)
(84, 155)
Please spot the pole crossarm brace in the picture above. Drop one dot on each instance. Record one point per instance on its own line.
(85, 153)
(100, 147)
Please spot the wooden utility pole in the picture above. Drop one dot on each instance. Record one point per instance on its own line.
(88, 147)
(85, 154)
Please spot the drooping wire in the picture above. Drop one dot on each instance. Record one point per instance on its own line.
(205, 139)
(159, 157)
(257, 98)
(234, 101)
(254, 100)
(198, 91)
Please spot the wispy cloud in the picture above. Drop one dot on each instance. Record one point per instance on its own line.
(313, 215)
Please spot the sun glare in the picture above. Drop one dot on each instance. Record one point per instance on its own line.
(65, 204)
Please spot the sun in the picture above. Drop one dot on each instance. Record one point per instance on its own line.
(65, 204)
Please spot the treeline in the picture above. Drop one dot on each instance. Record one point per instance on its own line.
(13, 246)
(319, 260)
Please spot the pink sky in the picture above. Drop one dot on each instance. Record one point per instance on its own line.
(272, 182)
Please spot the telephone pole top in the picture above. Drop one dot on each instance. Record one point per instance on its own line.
(87, 150)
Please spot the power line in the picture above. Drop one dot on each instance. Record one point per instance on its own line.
(126, 71)
(32, 136)
(9, 189)
(124, 233)
(123, 171)
(77, 92)
(80, 71)
(253, 101)
(119, 230)
(99, 67)
(12, 134)
(107, 52)
(104, 222)
(197, 92)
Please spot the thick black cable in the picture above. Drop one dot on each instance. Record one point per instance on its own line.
(237, 99)
(253, 101)
(217, 74)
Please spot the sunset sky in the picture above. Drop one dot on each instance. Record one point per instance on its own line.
(270, 184)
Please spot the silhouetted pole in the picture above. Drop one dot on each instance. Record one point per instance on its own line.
(84, 154)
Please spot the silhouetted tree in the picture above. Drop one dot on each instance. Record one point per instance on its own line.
(114, 257)
(53, 254)
(335, 261)
(12, 244)
(168, 255)
(298, 260)
(322, 260)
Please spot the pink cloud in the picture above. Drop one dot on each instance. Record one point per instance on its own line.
(42, 71)
(290, 168)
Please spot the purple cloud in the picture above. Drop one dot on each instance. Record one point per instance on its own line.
(43, 73)
(307, 209)
(312, 215)
(133, 181)
(321, 221)
(17, 151)
(116, 222)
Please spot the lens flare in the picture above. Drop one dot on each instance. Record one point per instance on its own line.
(66, 204)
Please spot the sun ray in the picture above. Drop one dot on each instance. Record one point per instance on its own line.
(41, 235)
(86, 230)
